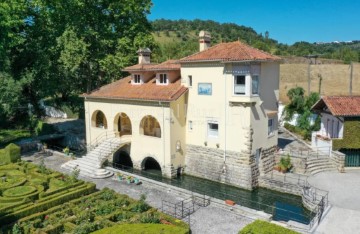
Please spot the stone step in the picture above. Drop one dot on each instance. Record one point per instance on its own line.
(322, 170)
(317, 160)
(83, 168)
(89, 164)
(319, 164)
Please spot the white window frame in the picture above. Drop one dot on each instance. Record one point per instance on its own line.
(190, 81)
(161, 76)
(235, 85)
(271, 127)
(210, 132)
(135, 77)
(258, 85)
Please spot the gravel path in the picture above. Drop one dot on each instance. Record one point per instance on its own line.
(208, 219)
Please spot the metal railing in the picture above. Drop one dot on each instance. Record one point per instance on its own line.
(311, 153)
(314, 197)
(280, 213)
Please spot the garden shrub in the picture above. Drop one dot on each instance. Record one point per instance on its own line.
(11, 153)
(143, 228)
(87, 227)
(263, 227)
(43, 205)
(44, 128)
(69, 227)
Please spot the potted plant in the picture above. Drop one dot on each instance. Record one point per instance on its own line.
(129, 179)
(120, 176)
(66, 150)
(285, 164)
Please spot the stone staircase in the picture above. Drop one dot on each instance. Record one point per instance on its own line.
(318, 164)
(90, 164)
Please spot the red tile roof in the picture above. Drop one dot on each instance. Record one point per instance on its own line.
(140, 67)
(339, 105)
(149, 91)
(231, 51)
(165, 66)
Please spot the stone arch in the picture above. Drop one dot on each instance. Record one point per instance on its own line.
(122, 158)
(98, 120)
(150, 163)
(149, 126)
(122, 124)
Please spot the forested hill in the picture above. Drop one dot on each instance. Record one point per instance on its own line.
(178, 38)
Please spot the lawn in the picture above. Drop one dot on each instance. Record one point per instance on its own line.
(8, 136)
(263, 227)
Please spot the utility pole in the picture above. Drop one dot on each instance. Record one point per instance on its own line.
(351, 78)
(309, 79)
(320, 80)
(309, 57)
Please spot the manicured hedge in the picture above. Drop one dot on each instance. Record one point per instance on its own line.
(351, 135)
(263, 227)
(46, 194)
(141, 228)
(41, 206)
(9, 154)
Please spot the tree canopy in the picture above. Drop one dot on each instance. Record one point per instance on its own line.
(56, 48)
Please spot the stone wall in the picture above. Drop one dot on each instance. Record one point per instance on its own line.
(338, 160)
(239, 169)
(209, 163)
(280, 186)
(267, 161)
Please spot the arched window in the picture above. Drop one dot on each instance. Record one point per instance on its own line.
(122, 124)
(149, 126)
(99, 120)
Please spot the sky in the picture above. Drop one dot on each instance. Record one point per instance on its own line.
(287, 21)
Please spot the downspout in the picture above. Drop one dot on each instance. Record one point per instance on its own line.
(89, 122)
(225, 108)
(163, 135)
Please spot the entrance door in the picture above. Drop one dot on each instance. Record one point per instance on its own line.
(352, 158)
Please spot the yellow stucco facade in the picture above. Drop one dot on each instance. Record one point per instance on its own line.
(224, 125)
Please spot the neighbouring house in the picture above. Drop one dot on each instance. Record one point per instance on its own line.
(212, 114)
(340, 127)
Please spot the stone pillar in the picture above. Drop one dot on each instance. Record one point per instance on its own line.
(169, 171)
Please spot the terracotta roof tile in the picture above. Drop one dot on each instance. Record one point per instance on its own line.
(165, 66)
(340, 105)
(123, 89)
(232, 51)
(140, 67)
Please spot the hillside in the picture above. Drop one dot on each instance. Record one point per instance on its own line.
(335, 78)
(178, 38)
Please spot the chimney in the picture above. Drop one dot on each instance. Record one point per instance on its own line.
(204, 40)
(144, 55)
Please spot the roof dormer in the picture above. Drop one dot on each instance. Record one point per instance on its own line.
(137, 79)
(162, 79)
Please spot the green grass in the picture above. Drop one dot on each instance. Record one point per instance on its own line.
(143, 229)
(11, 135)
(263, 227)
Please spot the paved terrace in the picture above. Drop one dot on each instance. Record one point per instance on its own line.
(344, 189)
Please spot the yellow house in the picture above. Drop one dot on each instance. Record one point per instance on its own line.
(211, 114)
